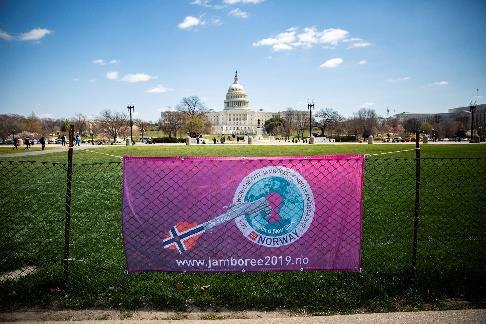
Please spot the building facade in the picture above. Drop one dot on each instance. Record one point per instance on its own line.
(237, 117)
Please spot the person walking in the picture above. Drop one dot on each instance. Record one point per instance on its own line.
(16, 144)
(43, 142)
(27, 143)
(214, 140)
(78, 140)
(63, 140)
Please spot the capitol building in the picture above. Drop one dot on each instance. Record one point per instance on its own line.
(236, 117)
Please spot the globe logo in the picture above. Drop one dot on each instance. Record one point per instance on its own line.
(292, 202)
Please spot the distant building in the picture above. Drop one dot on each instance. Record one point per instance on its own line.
(453, 114)
(236, 117)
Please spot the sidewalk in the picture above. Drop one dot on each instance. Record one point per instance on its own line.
(250, 317)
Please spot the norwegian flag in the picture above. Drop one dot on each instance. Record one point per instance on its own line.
(253, 236)
(182, 237)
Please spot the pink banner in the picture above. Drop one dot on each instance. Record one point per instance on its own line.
(242, 214)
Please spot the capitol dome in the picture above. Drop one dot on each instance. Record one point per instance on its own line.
(236, 97)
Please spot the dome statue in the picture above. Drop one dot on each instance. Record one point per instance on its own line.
(236, 97)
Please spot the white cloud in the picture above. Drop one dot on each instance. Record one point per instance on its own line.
(237, 12)
(137, 77)
(99, 61)
(440, 83)
(232, 2)
(216, 21)
(292, 38)
(367, 105)
(189, 22)
(332, 63)
(75, 79)
(34, 34)
(356, 43)
(113, 75)
(159, 89)
(168, 108)
(403, 78)
(5, 36)
(204, 3)
(363, 62)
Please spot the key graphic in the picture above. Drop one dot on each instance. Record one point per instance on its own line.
(183, 236)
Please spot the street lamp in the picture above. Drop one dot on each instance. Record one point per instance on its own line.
(472, 109)
(130, 109)
(310, 106)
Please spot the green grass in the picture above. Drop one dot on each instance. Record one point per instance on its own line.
(427, 150)
(451, 243)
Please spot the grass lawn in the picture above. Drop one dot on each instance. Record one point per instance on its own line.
(451, 241)
(427, 150)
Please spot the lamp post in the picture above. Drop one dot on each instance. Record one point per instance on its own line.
(472, 109)
(310, 106)
(130, 109)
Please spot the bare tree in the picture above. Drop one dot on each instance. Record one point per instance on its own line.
(80, 123)
(192, 106)
(171, 121)
(411, 125)
(327, 117)
(289, 117)
(112, 123)
(367, 121)
(33, 124)
(195, 120)
(301, 123)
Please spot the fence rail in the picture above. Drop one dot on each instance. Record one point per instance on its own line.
(451, 241)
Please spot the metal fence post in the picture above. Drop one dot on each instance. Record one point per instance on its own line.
(417, 204)
(67, 221)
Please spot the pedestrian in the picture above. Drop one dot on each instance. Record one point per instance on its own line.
(63, 140)
(16, 144)
(78, 139)
(43, 142)
(197, 140)
(27, 143)
(214, 140)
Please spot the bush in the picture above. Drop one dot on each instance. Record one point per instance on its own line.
(345, 138)
(168, 140)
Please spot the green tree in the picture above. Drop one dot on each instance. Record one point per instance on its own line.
(275, 126)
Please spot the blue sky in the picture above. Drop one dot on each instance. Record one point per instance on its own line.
(59, 58)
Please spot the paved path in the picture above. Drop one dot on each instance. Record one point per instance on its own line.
(58, 149)
(251, 317)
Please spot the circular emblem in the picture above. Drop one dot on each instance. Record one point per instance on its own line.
(292, 206)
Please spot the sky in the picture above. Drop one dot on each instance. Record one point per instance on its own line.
(60, 58)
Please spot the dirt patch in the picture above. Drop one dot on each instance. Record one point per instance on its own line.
(18, 273)
(94, 314)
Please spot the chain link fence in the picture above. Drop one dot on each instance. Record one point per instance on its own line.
(451, 245)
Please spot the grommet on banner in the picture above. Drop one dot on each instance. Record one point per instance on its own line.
(302, 269)
(243, 270)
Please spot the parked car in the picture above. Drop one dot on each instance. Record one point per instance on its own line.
(397, 139)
